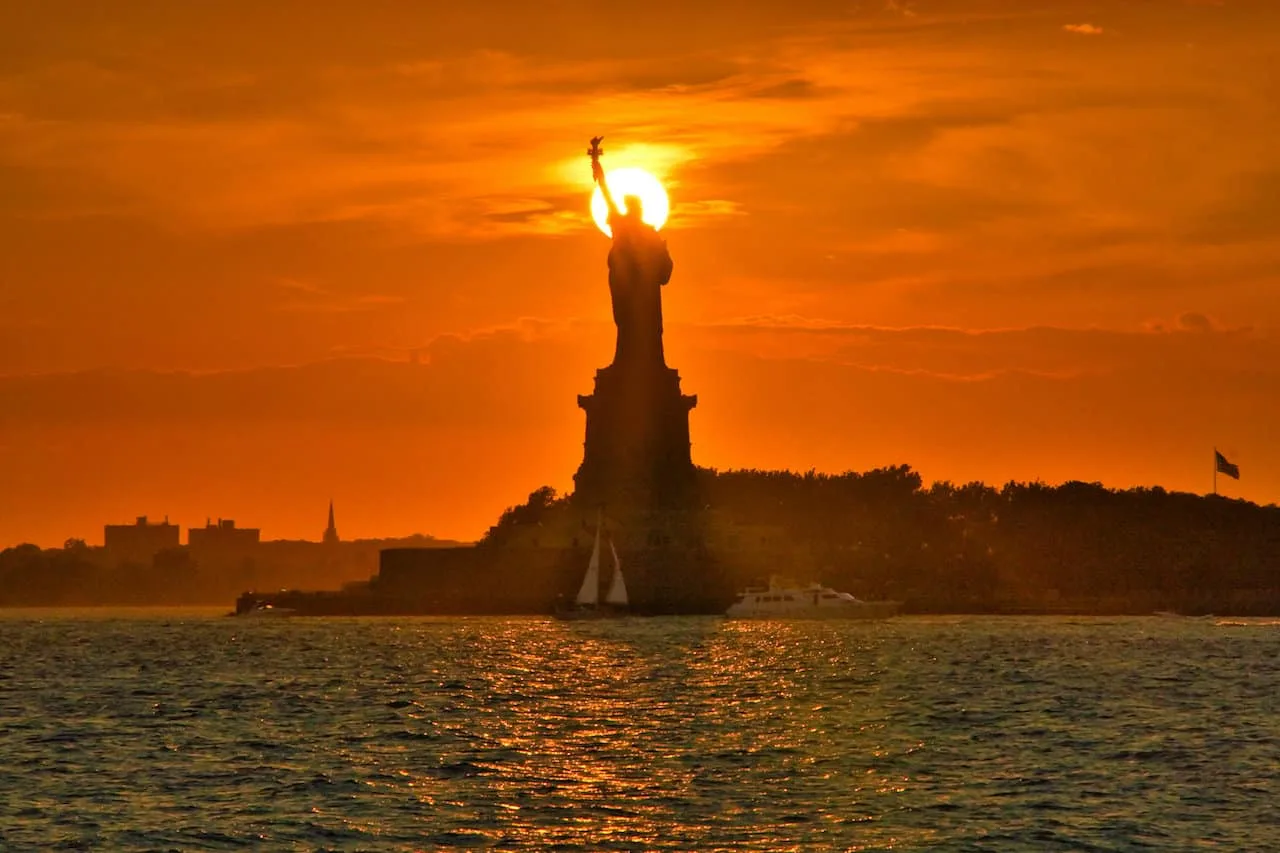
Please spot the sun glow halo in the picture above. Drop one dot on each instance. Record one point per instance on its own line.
(637, 182)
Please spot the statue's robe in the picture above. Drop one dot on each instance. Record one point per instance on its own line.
(639, 265)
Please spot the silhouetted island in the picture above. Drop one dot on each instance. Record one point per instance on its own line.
(691, 537)
(1022, 548)
(1030, 548)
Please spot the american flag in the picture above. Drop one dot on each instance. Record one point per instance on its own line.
(1231, 469)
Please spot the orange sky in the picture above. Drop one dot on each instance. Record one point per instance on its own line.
(255, 255)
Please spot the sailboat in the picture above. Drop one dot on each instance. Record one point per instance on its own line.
(587, 604)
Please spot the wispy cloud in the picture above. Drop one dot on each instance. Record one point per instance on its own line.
(1122, 407)
(397, 143)
(307, 297)
(953, 167)
(1083, 29)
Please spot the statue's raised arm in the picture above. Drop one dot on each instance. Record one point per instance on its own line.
(597, 172)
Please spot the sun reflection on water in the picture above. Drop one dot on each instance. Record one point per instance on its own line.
(614, 731)
(663, 734)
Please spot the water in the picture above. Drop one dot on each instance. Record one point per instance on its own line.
(158, 731)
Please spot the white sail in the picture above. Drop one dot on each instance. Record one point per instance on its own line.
(589, 592)
(618, 588)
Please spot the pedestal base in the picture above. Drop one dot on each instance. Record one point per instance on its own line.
(637, 449)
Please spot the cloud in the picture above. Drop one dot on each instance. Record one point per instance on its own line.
(367, 302)
(1246, 210)
(415, 140)
(441, 445)
(796, 88)
(1197, 323)
(357, 145)
(1194, 321)
(824, 159)
(950, 353)
(309, 297)
(532, 363)
(1083, 29)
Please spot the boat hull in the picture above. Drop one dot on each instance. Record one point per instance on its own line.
(870, 610)
(583, 614)
(249, 607)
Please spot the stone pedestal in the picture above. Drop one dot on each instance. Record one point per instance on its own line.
(637, 450)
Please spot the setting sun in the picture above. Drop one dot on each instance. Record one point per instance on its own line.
(636, 182)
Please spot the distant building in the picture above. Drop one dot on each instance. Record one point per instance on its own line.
(223, 536)
(331, 532)
(139, 542)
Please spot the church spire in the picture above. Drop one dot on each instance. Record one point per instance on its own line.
(331, 532)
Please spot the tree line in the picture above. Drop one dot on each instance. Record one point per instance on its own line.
(1021, 547)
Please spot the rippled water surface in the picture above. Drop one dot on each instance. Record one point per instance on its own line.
(156, 731)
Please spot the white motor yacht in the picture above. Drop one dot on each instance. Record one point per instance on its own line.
(263, 610)
(789, 600)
